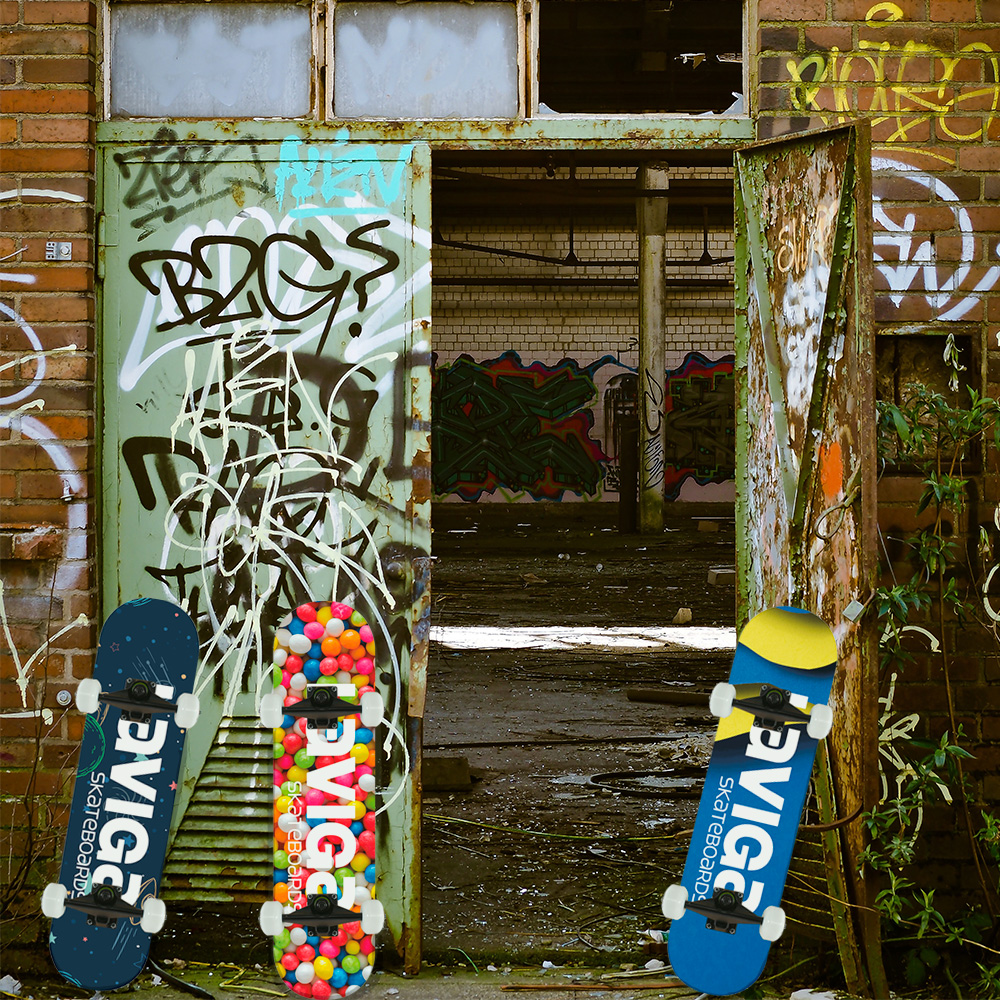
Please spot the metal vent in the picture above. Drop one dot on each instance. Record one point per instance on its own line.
(223, 850)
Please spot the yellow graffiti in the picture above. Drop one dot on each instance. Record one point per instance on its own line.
(879, 71)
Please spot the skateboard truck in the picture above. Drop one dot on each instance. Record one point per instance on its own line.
(104, 907)
(322, 915)
(724, 911)
(321, 709)
(772, 709)
(138, 701)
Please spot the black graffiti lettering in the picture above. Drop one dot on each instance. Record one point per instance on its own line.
(167, 171)
(390, 257)
(191, 282)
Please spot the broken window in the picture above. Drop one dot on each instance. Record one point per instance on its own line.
(640, 56)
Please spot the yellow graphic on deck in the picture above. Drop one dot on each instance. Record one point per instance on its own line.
(790, 639)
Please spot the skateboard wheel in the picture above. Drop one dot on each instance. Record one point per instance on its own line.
(372, 916)
(674, 900)
(772, 923)
(272, 710)
(820, 722)
(372, 709)
(154, 915)
(270, 918)
(54, 900)
(88, 693)
(187, 712)
(720, 704)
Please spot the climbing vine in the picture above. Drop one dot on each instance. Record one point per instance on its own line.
(944, 437)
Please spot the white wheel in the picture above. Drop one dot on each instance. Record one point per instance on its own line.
(820, 721)
(773, 923)
(372, 916)
(272, 710)
(187, 712)
(88, 691)
(673, 902)
(372, 709)
(54, 900)
(154, 915)
(720, 704)
(270, 918)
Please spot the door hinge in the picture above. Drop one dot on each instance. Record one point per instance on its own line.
(107, 236)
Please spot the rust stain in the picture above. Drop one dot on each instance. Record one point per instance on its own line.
(831, 469)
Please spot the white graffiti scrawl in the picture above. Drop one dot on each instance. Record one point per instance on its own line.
(907, 259)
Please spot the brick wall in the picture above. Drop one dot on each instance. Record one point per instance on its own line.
(47, 113)
(926, 74)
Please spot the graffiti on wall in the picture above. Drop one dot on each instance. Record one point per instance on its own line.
(511, 427)
(505, 425)
(905, 85)
(262, 361)
(700, 404)
(22, 413)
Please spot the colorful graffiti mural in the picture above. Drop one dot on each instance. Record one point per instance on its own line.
(700, 404)
(501, 424)
(511, 428)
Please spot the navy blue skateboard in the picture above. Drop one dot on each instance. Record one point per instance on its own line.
(139, 704)
(725, 912)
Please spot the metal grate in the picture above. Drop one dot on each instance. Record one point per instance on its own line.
(223, 850)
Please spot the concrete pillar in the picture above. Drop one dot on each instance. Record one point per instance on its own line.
(651, 210)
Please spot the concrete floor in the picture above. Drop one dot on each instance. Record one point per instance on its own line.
(536, 861)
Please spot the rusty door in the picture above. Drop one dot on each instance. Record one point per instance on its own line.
(805, 508)
(265, 361)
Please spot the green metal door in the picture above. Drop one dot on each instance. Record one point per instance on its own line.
(806, 458)
(265, 361)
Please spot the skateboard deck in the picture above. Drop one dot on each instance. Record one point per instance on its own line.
(725, 913)
(324, 711)
(139, 704)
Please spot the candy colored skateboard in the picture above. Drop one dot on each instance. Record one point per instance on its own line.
(324, 710)
(139, 704)
(725, 912)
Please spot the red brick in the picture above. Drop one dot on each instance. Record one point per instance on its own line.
(82, 187)
(58, 278)
(984, 218)
(60, 367)
(66, 101)
(48, 218)
(991, 11)
(56, 130)
(791, 10)
(37, 160)
(980, 157)
(54, 70)
(60, 12)
(69, 308)
(902, 128)
(899, 34)
(8, 130)
(823, 38)
(953, 10)
(782, 38)
(911, 307)
(855, 10)
(48, 43)
(8, 11)
(899, 187)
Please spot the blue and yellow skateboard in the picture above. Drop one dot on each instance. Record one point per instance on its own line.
(773, 711)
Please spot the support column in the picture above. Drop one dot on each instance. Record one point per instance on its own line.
(651, 210)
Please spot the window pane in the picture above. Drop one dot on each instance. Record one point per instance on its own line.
(229, 60)
(425, 60)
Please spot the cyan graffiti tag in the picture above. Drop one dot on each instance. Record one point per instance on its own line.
(349, 178)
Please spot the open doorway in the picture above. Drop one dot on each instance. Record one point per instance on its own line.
(555, 786)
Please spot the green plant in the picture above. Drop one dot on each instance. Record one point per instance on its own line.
(943, 442)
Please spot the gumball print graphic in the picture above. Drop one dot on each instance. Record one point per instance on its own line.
(324, 645)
